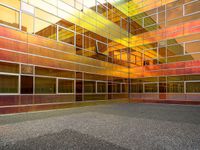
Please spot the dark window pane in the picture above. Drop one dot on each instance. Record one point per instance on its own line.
(136, 88)
(45, 85)
(151, 87)
(89, 86)
(116, 88)
(8, 84)
(79, 86)
(65, 86)
(162, 87)
(193, 87)
(175, 87)
(26, 85)
(109, 87)
(101, 87)
(124, 87)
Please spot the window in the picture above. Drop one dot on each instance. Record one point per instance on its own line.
(54, 72)
(89, 44)
(66, 24)
(175, 87)
(9, 17)
(124, 55)
(149, 79)
(101, 47)
(162, 52)
(15, 4)
(43, 15)
(45, 29)
(175, 78)
(79, 5)
(8, 67)
(45, 85)
(150, 88)
(192, 77)
(136, 88)
(174, 13)
(89, 86)
(193, 87)
(101, 87)
(124, 24)
(173, 50)
(125, 88)
(79, 75)
(150, 20)
(79, 86)
(161, 17)
(8, 84)
(26, 85)
(192, 7)
(192, 47)
(27, 8)
(26, 69)
(94, 77)
(27, 23)
(162, 87)
(116, 87)
(79, 40)
(101, 9)
(66, 36)
(110, 87)
(65, 86)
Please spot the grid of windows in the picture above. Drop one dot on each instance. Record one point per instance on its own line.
(100, 49)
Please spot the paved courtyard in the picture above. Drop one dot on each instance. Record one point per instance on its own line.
(107, 127)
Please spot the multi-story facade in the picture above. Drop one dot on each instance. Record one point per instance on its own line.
(59, 52)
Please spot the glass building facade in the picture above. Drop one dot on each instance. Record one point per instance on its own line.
(56, 52)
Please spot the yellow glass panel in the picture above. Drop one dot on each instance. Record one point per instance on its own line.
(12, 3)
(9, 17)
(27, 23)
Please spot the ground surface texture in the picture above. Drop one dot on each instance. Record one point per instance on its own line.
(107, 127)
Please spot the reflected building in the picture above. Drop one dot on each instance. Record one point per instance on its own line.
(59, 52)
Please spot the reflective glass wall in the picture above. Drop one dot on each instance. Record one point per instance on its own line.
(56, 52)
(63, 51)
(165, 50)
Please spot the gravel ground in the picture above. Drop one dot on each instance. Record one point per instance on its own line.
(107, 127)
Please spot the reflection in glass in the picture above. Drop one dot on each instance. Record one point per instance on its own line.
(8, 84)
(89, 86)
(65, 86)
(45, 85)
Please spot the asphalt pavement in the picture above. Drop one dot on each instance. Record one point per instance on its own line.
(104, 127)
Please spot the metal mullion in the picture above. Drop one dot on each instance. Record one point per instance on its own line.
(57, 85)
(33, 79)
(19, 80)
